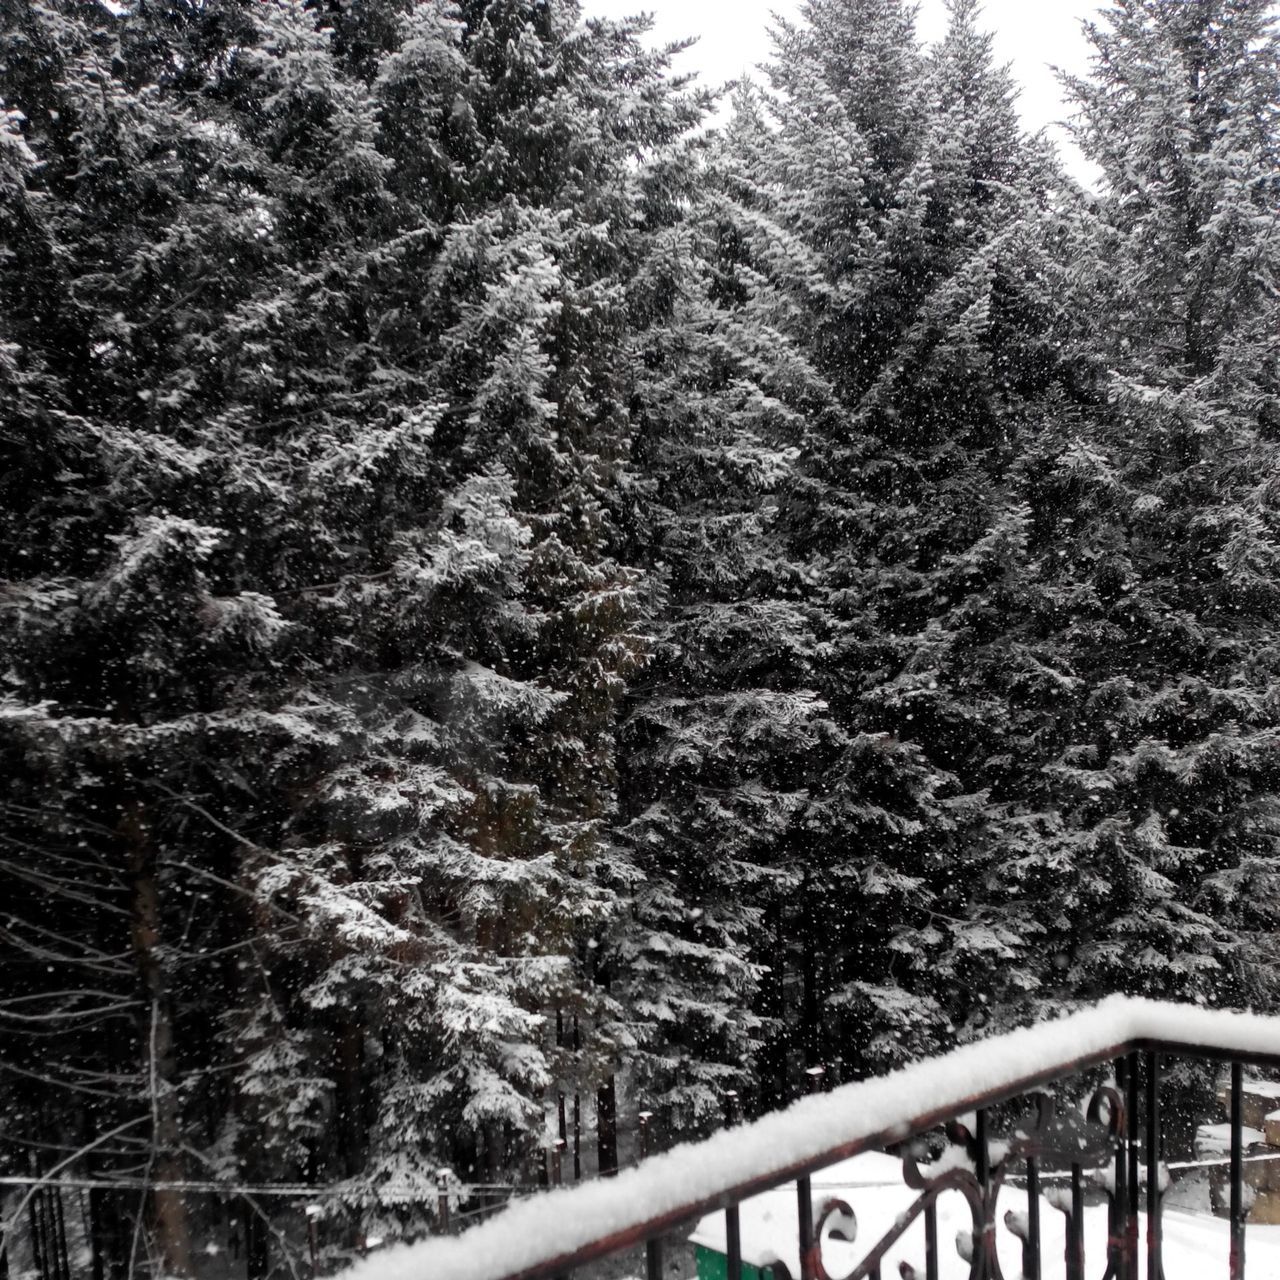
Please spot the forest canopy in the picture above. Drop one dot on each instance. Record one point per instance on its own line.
(507, 588)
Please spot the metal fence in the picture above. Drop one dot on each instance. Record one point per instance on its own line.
(1015, 1134)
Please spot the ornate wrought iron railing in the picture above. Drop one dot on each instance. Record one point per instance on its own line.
(998, 1103)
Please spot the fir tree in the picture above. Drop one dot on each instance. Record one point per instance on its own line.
(315, 621)
(724, 727)
(1166, 765)
(940, 335)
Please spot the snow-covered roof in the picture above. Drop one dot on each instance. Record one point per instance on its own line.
(695, 1178)
(1215, 1139)
(1262, 1088)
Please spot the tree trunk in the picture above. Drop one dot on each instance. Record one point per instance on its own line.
(109, 1252)
(811, 1030)
(349, 1069)
(256, 1242)
(170, 1223)
(58, 1227)
(780, 1036)
(35, 1223)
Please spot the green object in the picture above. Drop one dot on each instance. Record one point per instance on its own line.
(715, 1266)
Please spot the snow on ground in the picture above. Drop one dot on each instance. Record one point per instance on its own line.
(691, 1178)
(1196, 1245)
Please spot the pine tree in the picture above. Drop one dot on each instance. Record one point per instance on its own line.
(940, 334)
(724, 727)
(1165, 767)
(315, 621)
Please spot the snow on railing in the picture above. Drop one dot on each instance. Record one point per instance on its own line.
(550, 1233)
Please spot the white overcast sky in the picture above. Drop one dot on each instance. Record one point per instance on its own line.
(733, 38)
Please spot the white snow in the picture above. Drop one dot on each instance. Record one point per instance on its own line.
(694, 1178)
(1263, 1088)
(1196, 1244)
(1215, 1139)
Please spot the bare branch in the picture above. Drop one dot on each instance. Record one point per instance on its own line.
(16, 1216)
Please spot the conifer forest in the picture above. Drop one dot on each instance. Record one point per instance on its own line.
(521, 572)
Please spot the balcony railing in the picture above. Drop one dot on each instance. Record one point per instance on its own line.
(1009, 1134)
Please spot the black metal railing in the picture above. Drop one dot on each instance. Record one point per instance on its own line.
(987, 1123)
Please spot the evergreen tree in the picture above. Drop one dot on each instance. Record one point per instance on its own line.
(315, 624)
(943, 341)
(1120, 678)
(1164, 522)
(724, 728)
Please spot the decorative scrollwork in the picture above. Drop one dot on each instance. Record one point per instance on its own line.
(1088, 1143)
(835, 1220)
(1095, 1144)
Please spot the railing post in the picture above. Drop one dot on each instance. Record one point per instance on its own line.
(1075, 1226)
(1031, 1249)
(732, 1223)
(1237, 1172)
(985, 1245)
(733, 1243)
(804, 1212)
(804, 1195)
(653, 1260)
(1155, 1234)
(982, 1159)
(1117, 1214)
(931, 1241)
(1132, 1130)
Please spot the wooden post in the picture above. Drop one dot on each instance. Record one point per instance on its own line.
(607, 1128)
(313, 1212)
(645, 1117)
(577, 1138)
(732, 1114)
(442, 1200)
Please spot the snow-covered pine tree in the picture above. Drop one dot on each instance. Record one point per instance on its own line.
(313, 628)
(989, 370)
(724, 729)
(111, 649)
(939, 332)
(1161, 522)
(1124, 592)
(528, 301)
